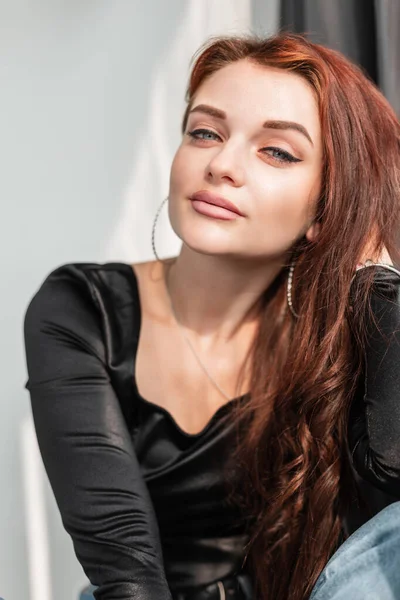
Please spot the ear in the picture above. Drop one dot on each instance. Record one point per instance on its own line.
(313, 231)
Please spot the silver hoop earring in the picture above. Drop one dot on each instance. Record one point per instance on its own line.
(289, 289)
(153, 232)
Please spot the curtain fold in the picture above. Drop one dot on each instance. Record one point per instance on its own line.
(388, 36)
(346, 25)
(367, 31)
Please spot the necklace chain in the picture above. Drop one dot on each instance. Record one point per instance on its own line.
(185, 337)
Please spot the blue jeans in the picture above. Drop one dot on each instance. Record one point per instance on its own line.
(367, 565)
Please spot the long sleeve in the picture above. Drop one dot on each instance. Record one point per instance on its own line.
(374, 423)
(86, 447)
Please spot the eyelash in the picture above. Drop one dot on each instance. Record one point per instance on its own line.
(288, 158)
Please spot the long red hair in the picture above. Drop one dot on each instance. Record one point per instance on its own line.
(295, 480)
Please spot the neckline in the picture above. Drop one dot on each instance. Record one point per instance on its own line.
(137, 327)
(213, 419)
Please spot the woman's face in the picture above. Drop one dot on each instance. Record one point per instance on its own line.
(252, 137)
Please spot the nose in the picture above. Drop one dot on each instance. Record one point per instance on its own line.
(226, 165)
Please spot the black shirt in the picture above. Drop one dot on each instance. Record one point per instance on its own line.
(143, 501)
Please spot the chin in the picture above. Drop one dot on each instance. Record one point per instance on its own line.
(210, 246)
(204, 235)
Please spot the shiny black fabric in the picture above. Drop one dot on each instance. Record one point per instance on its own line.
(143, 501)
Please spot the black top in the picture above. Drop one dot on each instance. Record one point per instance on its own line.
(143, 501)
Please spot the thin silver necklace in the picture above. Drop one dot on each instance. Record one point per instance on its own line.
(183, 333)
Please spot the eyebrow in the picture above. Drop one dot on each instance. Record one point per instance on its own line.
(270, 124)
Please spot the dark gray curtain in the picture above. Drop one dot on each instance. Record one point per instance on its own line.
(388, 36)
(367, 31)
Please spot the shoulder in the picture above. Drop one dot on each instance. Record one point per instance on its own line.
(81, 297)
(89, 281)
(376, 287)
(91, 277)
(384, 276)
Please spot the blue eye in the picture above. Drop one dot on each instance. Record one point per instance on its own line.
(196, 133)
(284, 156)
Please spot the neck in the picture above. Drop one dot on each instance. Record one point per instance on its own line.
(217, 297)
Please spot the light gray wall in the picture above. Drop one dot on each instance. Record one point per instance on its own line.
(90, 106)
(265, 16)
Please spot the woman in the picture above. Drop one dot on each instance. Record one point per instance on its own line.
(217, 424)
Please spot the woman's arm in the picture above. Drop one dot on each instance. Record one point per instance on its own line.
(86, 447)
(374, 424)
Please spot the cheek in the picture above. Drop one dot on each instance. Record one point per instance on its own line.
(180, 178)
(288, 196)
(175, 175)
(182, 172)
(284, 207)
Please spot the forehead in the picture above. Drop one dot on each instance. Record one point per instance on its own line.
(251, 94)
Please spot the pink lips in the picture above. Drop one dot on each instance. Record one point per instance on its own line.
(203, 196)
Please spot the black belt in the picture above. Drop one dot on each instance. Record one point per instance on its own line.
(237, 587)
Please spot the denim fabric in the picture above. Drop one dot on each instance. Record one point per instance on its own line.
(87, 593)
(367, 565)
